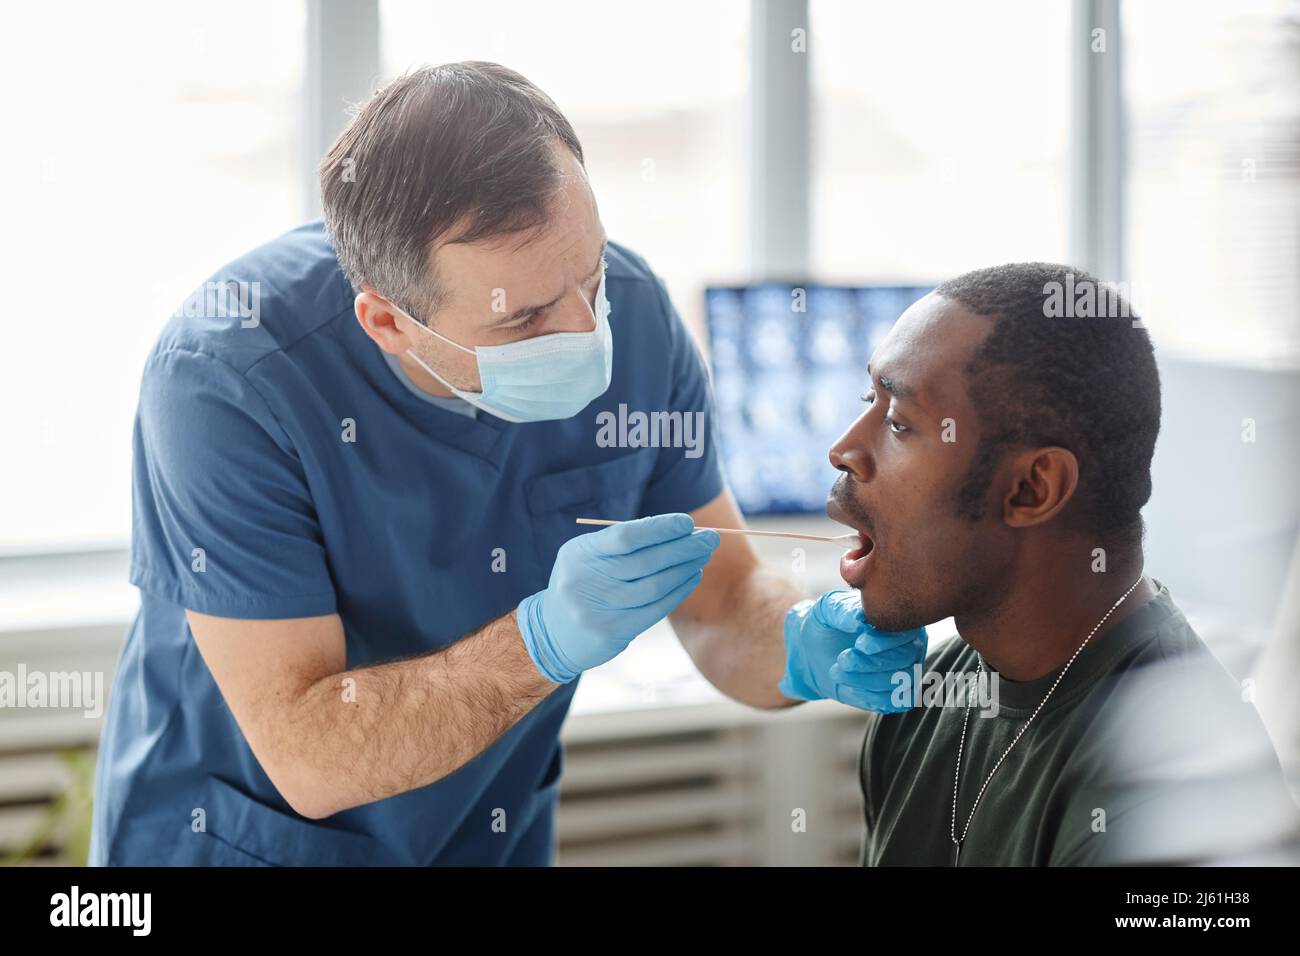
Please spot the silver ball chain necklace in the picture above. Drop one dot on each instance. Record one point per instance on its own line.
(956, 843)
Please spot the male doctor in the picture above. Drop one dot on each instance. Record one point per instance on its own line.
(365, 602)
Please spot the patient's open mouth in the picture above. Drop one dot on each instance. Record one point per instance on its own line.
(853, 565)
(865, 544)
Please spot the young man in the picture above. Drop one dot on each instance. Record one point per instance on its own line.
(996, 477)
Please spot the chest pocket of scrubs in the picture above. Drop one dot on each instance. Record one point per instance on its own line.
(612, 489)
(246, 832)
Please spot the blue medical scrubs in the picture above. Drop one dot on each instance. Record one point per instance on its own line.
(284, 468)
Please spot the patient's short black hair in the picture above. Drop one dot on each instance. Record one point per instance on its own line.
(1063, 365)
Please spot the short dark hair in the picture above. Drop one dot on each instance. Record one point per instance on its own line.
(1056, 376)
(463, 146)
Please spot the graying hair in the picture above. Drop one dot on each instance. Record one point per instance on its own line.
(454, 153)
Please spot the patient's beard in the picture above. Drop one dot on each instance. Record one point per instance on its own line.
(897, 611)
(907, 595)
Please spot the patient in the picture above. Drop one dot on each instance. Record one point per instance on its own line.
(996, 477)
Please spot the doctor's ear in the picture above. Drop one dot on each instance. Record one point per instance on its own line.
(1041, 481)
(380, 320)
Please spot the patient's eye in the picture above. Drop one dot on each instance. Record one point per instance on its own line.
(896, 427)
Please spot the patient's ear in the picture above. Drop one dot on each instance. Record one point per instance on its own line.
(1042, 481)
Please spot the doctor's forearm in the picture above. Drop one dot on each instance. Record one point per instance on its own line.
(374, 732)
(740, 647)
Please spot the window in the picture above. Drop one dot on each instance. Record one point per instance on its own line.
(1213, 231)
(658, 103)
(940, 137)
(150, 146)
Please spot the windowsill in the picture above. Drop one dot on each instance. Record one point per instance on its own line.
(70, 591)
(57, 591)
(48, 592)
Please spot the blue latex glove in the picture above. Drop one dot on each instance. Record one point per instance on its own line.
(833, 653)
(609, 586)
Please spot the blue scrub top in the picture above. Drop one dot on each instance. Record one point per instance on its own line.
(240, 451)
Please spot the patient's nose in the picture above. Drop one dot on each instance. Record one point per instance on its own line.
(849, 453)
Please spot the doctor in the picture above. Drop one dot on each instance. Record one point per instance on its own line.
(365, 603)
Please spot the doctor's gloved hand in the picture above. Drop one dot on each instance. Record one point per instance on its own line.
(607, 587)
(833, 653)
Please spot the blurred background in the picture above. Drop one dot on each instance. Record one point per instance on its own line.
(746, 148)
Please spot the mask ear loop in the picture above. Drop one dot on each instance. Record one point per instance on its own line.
(602, 302)
(426, 328)
(425, 365)
(460, 392)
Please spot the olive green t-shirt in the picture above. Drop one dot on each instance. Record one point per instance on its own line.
(1148, 751)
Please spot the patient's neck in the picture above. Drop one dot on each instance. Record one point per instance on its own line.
(1048, 613)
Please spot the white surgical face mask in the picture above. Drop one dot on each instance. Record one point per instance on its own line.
(543, 378)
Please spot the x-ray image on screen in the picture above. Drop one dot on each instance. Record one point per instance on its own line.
(789, 373)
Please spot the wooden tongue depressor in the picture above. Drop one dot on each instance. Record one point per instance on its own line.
(850, 538)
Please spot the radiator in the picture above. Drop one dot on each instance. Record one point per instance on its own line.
(713, 784)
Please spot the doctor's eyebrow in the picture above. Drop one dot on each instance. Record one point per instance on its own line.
(531, 310)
